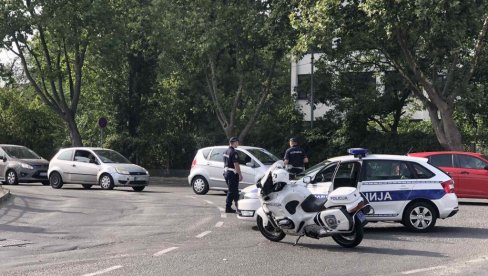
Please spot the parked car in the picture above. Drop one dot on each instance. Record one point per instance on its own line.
(400, 188)
(207, 167)
(19, 164)
(95, 166)
(469, 171)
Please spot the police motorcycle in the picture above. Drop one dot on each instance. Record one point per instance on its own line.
(291, 209)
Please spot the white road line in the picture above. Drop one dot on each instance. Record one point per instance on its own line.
(424, 269)
(104, 271)
(203, 234)
(164, 251)
(191, 197)
(209, 202)
(479, 260)
(221, 209)
(223, 215)
(219, 224)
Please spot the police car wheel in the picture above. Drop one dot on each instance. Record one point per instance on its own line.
(269, 232)
(420, 217)
(199, 185)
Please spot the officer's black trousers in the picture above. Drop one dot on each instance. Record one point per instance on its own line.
(232, 180)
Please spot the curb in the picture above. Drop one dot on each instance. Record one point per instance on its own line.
(4, 194)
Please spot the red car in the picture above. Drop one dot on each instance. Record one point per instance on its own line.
(469, 171)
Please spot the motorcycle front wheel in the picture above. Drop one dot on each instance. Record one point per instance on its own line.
(269, 231)
(350, 240)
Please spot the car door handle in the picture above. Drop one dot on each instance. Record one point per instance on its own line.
(464, 172)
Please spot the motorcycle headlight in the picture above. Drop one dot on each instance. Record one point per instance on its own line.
(26, 166)
(122, 171)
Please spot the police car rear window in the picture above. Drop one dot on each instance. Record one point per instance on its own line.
(422, 172)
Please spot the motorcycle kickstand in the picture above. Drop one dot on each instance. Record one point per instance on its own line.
(296, 242)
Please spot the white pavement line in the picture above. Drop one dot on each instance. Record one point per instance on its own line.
(479, 260)
(424, 269)
(104, 271)
(221, 209)
(223, 215)
(219, 224)
(164, 251)
(209, 202)
(203, 234)
(191, 197)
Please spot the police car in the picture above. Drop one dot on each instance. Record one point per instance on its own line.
(400, 188)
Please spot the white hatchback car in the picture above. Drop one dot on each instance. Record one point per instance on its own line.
(95, 166)
(400, 188)
(207, 167)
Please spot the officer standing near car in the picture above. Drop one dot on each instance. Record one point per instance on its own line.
(295, 158)
(232, 174)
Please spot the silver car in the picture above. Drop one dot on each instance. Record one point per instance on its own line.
(95, 166)
(208, 167)
(20, 164)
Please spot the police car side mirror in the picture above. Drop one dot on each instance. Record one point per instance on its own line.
(3, 158)
(307, 179)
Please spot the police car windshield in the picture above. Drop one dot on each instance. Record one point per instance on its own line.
(263, 156)
(21, 153)
(312, 170)
(110, 156)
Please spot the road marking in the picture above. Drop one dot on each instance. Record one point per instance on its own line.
(424, 269)
(104, 271)
(221, 209)
(209, 202)
(219, 224)
(482, 259)
(191, 197)
(164, 251)
(223, 215)
(203, 234)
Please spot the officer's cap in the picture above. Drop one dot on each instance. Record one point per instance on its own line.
(293, 139)
(233, 139)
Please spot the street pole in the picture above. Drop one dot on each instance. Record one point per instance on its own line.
(311, 93)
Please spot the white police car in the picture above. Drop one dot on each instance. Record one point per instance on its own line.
(400, 188)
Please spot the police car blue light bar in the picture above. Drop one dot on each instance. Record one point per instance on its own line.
(358, 152)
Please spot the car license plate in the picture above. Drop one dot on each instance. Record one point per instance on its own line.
(361, 216)
(43, 174)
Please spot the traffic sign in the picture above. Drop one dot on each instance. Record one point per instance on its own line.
(102, 122)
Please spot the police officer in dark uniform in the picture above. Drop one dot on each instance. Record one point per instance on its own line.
(295, 158)
(232, 174)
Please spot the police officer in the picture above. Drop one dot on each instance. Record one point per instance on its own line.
(232, 174)
(295, 158)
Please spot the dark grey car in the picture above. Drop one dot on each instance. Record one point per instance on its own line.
(19, 164)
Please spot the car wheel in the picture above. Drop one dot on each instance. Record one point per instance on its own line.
(86, 186)
(56, 180)
(106, 182)
(45, 183)
(138, 188)
(12, 178)
(199, 185)
(420, 217)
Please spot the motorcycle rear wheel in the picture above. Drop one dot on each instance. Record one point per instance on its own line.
(350, 240)
(269, 232)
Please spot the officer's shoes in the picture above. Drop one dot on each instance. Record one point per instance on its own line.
(230, 210)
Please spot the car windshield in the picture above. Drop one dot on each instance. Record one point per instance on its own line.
(314, 169)
(263, 156)
(110, 156)
(20, 152)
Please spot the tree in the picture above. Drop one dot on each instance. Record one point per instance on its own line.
(234, 48)
(51, 38)
(434, 45)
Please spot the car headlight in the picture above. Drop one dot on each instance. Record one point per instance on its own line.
(122, 171)
(26, 166)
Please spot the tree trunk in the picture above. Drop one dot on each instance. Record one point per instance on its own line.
(74, 133)
(445, 128)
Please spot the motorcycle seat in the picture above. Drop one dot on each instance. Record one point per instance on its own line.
(312, 204)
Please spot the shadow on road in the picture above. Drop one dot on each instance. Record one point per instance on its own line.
(439, 232)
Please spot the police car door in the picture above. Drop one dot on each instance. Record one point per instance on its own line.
(387, 185)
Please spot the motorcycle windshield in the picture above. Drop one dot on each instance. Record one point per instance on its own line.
(267, 181)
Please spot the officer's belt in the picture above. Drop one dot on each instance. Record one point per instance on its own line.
(229, 169)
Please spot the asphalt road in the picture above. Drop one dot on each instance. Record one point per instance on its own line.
(168, 230)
